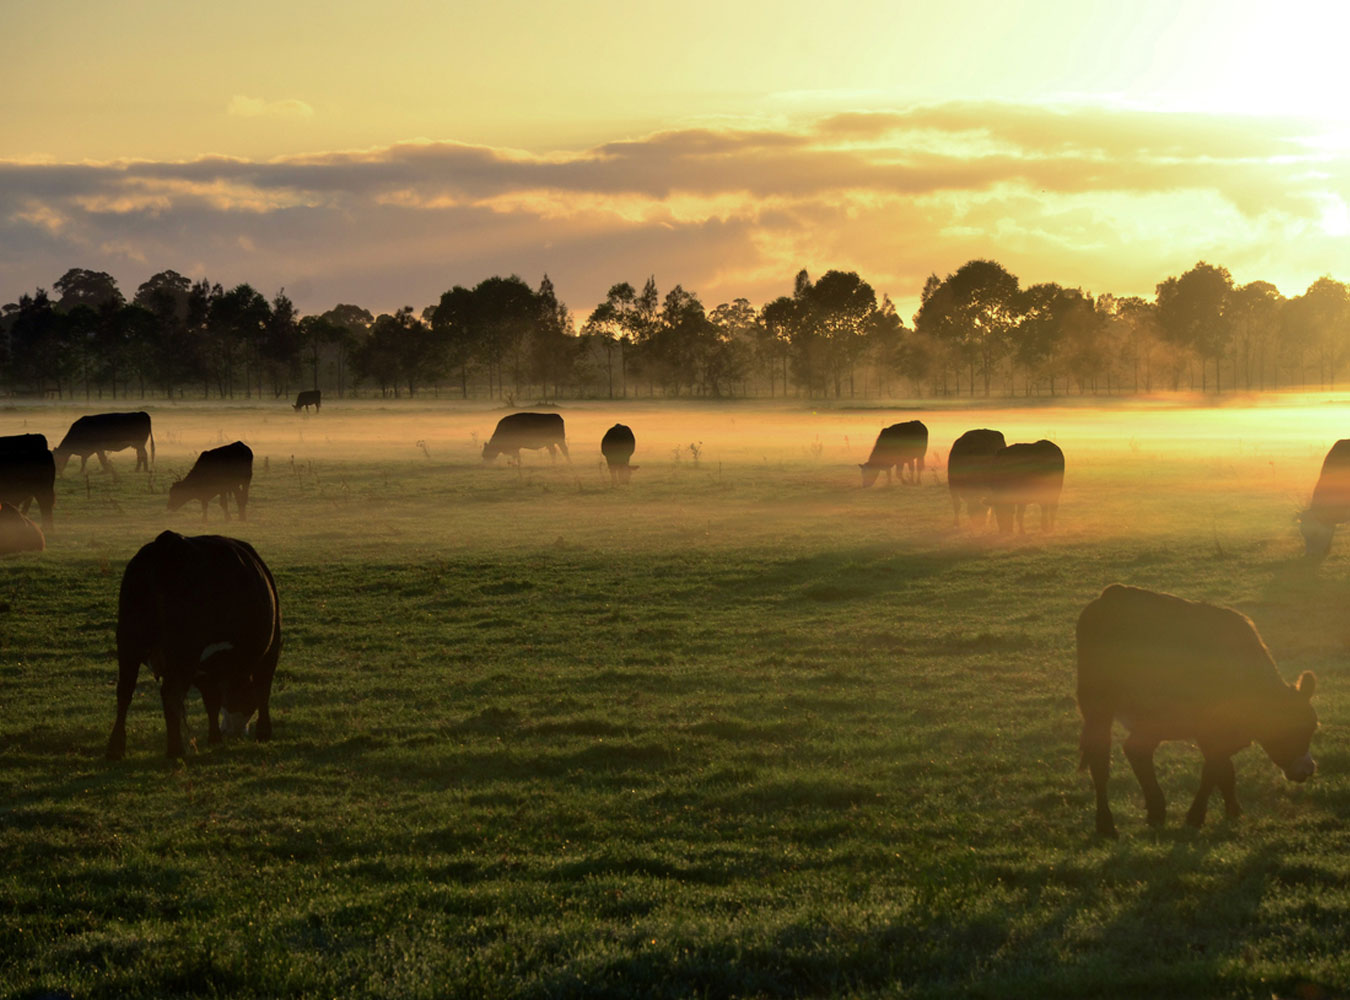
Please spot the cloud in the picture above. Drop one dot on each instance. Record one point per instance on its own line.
(241, 106)
(1113, 200)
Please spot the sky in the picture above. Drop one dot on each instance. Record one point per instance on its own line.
(379, 154)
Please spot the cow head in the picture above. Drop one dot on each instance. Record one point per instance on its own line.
(60, 456)
(177, 495)
(1296, 721)
(870, 473)
(1317, 534)
(240, 703)
(490, 451)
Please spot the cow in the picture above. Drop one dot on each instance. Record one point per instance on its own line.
(17, 533)
(526, 430)
(217, 472)
(1172, 669)
(1023, 474)
(1330, 501)
(99, 433)
(28, 473)
(897, 446)
(308, 398)
(202, 612)
(968, 472)
(618, 446)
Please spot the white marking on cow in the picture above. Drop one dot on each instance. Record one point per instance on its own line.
(213, 649)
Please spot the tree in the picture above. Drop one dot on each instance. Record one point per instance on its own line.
(81, 287)
(1192, 312)
(1317, 321)
(973, 311)
(1255, 312)
(839, 308)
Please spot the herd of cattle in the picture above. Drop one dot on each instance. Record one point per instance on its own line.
(203, 611)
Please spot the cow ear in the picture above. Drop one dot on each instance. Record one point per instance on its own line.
(1307, 684)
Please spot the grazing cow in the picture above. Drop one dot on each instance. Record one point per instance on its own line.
(897, 446)
(1330, 501)
(968, 473)
(1171, 669)
(1023, 474)
(618, 446)
(17, 533)
(202, 612)
(28, 473)
(308, 398)
(99, 433)
(526, 430)
(217, 472)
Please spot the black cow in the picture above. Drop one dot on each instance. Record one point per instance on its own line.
(308, 398)
(28, 473)
(99, 433)
(527, 430)
(897, 446)
(17, 533)
(1023, 474)
(1171, 669)
(1330, 501)
(618, 446)
(968, 472)
(202, 612)
(217, 472)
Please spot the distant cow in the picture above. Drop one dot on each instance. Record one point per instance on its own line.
(897, 446)
(17, 533)
(1171, 669)
(28, 473)
(217, 472)
(968, 473)
(1330, 501)
(526, 430)
(308, 398)
(100, 433)
(202, 612)
(1023, 474)
(618, 446)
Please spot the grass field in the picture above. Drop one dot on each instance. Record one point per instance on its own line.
(740, 729)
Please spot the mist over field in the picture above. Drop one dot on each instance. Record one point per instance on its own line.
(740, 727)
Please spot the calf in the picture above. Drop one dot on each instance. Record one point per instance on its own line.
(1330, 501)
(100, 433)
(1171, 669)
(618, 446)
(1023, 474)
(17, 533)
(217, 472)
(527, 430)
(28, 473)
(898, 446)
(202, 612)
(968, 473)
(308, 398)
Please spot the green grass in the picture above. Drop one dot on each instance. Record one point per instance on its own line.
(740, 729)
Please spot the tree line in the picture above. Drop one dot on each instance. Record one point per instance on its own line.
(977, 332)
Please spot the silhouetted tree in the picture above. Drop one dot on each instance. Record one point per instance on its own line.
(1192, 312)
(974, 312)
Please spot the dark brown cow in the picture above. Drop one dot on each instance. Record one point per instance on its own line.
(897, 446)
(28, 473)
(618, 446)
(1171, 669)
(202, 612)
(1023, 474)
(218, 472)
(308, 398)
(1330, 501)
(968, 473)
(527, 430)
(100, 433)
(17, 533)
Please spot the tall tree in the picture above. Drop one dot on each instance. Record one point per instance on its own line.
(1192, 312)
(973, 311)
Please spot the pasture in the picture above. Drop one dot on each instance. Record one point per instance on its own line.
(738, 729)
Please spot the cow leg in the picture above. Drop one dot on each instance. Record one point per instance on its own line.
(103, 461)
(212, 699)
(241, 499)
(1048, 511)
(142, 459)
(83, 459)
(1209, 777)
(1227, 780)
(1096, 747)
(129, 667)
(563, 446)
(1139, 753)
(173, 696)
(224, 505)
